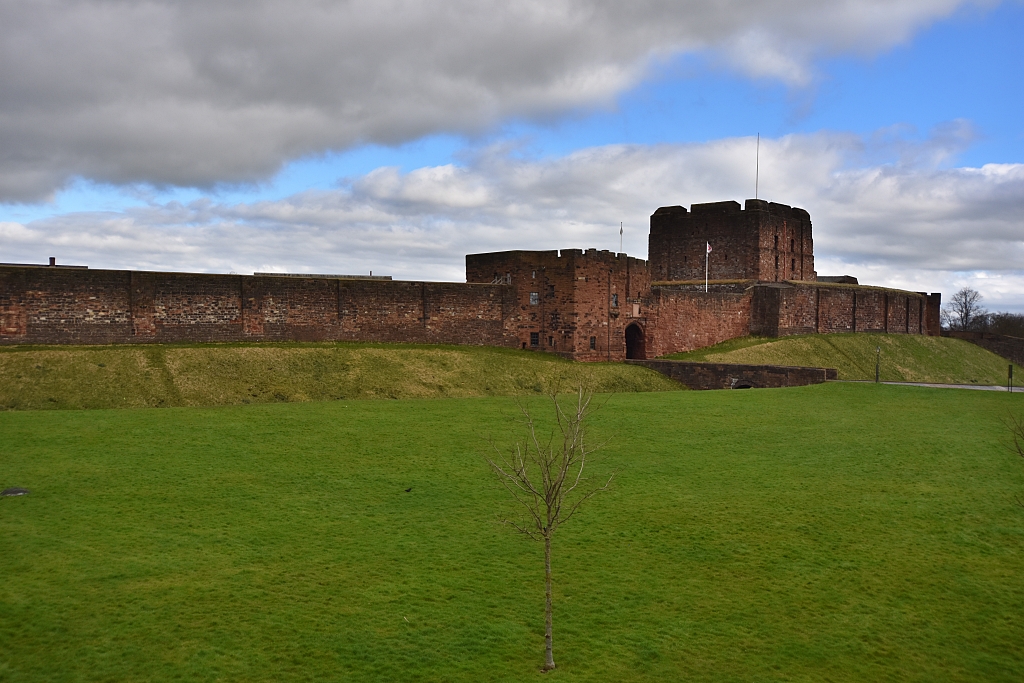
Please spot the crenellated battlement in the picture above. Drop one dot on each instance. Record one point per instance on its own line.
(761, 241)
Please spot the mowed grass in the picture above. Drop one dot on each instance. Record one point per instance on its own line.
(839, 532)
(233, 374)
(904, 358)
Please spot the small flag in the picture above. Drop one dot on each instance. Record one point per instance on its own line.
(709, 247)
(620, 229)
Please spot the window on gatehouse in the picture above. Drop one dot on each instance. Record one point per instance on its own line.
(593, 343)
(615, 300)
(535, 339)
(535, 298)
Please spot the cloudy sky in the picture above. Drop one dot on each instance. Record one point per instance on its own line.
(397, 135)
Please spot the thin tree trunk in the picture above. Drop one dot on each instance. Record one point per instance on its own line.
(549, 658)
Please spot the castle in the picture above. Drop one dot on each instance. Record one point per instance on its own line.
(585, 305)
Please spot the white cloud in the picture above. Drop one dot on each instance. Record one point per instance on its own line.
(196, 93)
(905, 223)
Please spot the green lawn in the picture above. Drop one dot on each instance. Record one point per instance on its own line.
(160, 375)
(904, 358)
(827, 533)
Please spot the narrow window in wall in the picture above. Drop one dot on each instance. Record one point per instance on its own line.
(534, 276)
(551, 341)
(534, 298)
(792, 266)
(535, 339)
(776, 241)
(615, 300)
(776, 262)
(792, 244)
(593, 343)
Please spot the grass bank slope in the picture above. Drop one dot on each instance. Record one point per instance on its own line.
(839, 532)
(204, 375)
(904, 358)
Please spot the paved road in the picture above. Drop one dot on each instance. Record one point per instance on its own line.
(979, 387)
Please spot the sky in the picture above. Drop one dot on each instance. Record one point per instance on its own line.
(396, 136)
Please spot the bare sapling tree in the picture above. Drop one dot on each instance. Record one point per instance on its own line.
(546, 479)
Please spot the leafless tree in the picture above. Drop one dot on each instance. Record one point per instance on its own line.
(964, 310)
(546, 480)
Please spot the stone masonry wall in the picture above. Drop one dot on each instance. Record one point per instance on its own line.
(785, 245)
(683, 319)
(701, 376)
(64, 306)
(804, 308)
(678, 240)
(571, 300)
(762, 241)
(608, 298)
(76, 306)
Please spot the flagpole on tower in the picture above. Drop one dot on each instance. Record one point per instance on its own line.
(620, 237)
(707, 257)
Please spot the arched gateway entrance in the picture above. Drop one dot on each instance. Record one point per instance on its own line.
(635, 347)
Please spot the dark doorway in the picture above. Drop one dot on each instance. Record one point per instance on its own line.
(635, 349)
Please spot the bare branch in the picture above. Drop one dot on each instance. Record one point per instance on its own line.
(587, 496)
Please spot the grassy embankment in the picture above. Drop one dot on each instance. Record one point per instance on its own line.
(230, 374)
(904, 358)
(837, 532)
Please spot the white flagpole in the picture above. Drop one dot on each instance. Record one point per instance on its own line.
(707, 255)
(757, 164)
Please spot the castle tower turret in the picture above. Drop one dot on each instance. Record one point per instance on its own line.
(762, 241)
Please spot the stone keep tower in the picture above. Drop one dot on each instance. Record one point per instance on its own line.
(762, 241)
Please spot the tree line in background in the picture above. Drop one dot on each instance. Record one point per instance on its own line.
(965, 313)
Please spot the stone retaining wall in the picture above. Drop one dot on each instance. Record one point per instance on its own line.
(727, 376)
